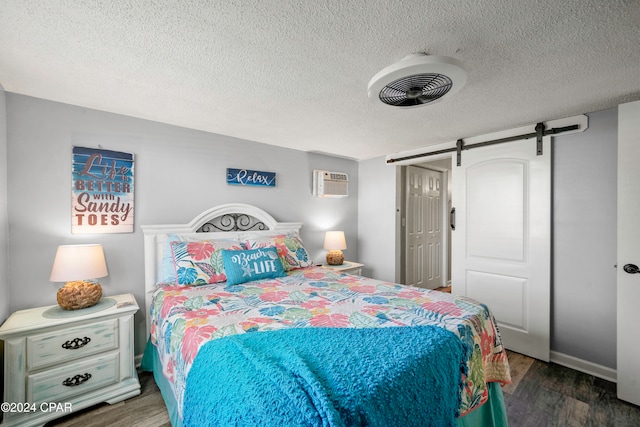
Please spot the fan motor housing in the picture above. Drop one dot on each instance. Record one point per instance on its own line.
(417, 80)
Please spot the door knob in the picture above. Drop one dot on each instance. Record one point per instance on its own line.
(631, 268)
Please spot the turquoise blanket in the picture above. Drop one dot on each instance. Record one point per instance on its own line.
(394, 376)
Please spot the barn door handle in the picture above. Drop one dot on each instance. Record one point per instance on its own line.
(452, 218)
(631, 268)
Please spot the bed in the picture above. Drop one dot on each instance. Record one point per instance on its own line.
(244, 329)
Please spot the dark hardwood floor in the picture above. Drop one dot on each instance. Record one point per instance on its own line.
(546, 394)
(542, 394)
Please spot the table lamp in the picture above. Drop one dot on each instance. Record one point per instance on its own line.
(334, 242)
(75, 264)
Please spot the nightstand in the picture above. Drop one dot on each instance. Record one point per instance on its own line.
(55, 366)
(347, 267)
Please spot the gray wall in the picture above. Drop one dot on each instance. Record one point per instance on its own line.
(178, 174)
(377, 219)
(4, 222)
(583, 322)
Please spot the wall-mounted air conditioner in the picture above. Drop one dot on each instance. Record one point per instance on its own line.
(330, 184)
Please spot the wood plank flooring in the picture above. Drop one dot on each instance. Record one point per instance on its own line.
(542, 394)
(546, 394)
(145, 410)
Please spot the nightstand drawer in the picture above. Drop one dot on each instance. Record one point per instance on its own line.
(58, 384)
(68, 344)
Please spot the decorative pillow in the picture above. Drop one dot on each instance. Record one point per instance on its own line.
(292, 253)
(166, 272)
(254, 264)
(200, 262)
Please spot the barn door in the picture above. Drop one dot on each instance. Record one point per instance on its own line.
(501, 242)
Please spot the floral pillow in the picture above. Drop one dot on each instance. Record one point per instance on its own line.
(290, 249)
(200, 262)
(254, 264)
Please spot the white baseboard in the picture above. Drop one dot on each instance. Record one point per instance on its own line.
(580, 365)
(137, 360)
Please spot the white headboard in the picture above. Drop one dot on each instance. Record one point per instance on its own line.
(233, 220)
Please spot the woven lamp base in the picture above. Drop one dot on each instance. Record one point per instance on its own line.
(335, 257)
(79, 294)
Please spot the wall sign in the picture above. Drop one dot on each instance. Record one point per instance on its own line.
(249, 177)
(102, 192)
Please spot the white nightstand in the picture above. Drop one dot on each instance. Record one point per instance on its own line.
(347, 267)
(55, 366)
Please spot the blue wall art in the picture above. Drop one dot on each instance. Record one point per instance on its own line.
(249, 177)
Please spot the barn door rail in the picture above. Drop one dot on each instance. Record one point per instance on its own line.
(539, 133)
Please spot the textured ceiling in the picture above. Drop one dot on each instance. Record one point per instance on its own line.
(295, 73)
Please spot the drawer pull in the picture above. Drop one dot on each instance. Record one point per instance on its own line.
(76, 343)
(77, 380)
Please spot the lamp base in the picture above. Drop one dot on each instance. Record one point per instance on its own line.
(335, 257)
(79, 294)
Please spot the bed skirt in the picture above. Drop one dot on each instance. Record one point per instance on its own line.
(492, 414)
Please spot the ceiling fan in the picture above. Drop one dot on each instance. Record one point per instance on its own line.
(417, 80)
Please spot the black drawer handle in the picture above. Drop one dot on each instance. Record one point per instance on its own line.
(77, 380)
(76, 343)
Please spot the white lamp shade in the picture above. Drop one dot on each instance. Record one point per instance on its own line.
(78, 262)
(335, 240)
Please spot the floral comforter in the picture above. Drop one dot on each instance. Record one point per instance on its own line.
(184, 318)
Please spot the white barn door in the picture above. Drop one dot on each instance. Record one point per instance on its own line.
(501, 252)
(628, 334)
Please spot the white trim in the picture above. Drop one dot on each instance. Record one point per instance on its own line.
(584, 366)
(582, 121)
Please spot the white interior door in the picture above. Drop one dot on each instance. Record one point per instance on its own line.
(628, 334)
(424, 228)
(501, 242)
